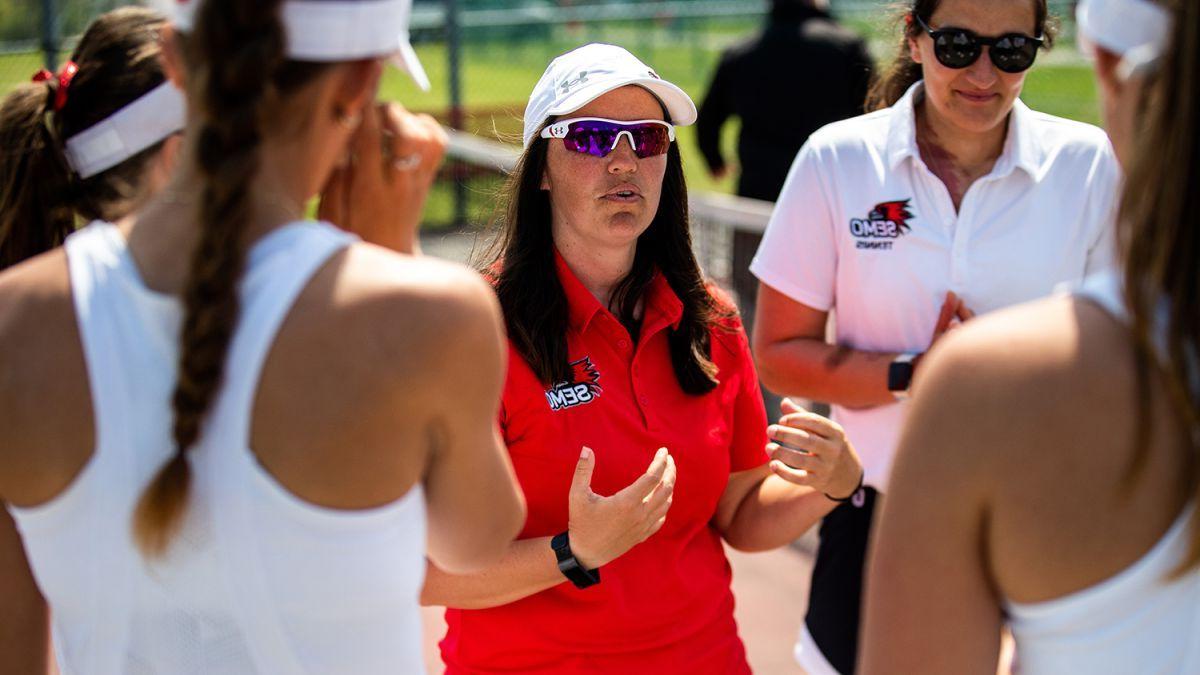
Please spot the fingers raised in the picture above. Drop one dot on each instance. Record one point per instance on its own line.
(581, 481)
(796, 476)
(664, 489)
(808, 422)
(645, 484)
(946, 315)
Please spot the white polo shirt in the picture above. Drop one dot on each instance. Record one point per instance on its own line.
(862, 226)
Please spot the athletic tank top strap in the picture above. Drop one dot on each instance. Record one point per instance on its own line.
(1105, 290)
(1134, 621)
(279, 267)
(98, 266)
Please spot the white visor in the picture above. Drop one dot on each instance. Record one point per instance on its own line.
(338, 30)
(147, 120)
(1136, 30)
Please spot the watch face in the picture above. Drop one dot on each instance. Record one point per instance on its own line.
(900, 376)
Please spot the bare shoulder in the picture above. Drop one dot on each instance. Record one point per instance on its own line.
(1018, 381)
(35, 311)
(45, 403)
(416, 308)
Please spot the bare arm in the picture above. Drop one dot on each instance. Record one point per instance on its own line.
(600, 529)
(25, 621)
(930, 606)
(793, 358)
(528, 567)
(772, 505)
(475, 505)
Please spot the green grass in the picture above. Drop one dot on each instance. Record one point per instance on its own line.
(498, 76)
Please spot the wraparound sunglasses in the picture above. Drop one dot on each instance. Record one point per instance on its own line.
(597, 136)
(958, 48)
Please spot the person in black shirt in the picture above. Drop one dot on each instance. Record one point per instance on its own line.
(802, 72)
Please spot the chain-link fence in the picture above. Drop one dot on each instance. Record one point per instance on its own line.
(484, 57)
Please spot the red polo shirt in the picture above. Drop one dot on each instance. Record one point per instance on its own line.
(665, 606)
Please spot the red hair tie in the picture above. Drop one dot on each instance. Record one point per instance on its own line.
(64, 82)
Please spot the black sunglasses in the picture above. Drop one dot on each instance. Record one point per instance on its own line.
(959, 48)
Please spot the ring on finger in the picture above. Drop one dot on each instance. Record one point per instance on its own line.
(789, 446)
(407, 162)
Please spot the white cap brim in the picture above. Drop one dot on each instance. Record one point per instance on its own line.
(406, 59)
(331, 30)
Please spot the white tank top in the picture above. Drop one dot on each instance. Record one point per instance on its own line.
(1138, 621)
(257, 580)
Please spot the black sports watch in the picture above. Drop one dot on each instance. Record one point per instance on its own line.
(900, 374)
(567, 563)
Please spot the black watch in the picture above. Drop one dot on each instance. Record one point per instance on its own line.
(569, 565)
(900, 374)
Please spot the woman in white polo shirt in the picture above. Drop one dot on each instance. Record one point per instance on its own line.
(951, 198)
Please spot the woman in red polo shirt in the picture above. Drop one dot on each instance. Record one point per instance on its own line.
(632, 411)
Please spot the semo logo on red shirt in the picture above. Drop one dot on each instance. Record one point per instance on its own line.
(583, 387)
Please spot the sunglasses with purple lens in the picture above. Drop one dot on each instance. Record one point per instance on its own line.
(597, 136)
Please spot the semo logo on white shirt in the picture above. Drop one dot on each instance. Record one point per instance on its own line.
(885, 222)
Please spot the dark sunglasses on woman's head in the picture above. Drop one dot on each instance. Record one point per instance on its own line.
(958, 48)
(597, 136)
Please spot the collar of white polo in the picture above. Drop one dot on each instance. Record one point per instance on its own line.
(337, 30)
(147, 120)
(1021, 149)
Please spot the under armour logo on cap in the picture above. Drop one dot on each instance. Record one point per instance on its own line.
(567, 85)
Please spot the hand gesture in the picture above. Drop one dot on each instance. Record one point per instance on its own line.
(603, 528)
(807, 449)
(953, 314)
(379, 192)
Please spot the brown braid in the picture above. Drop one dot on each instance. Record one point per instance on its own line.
(234, 55)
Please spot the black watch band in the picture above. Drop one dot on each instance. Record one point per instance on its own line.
(567, 563)
(900, 374)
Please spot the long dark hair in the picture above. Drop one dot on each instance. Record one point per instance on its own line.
(237, 73)
(534, 303)
(40, 197)
(1159, 241)
(903, 72)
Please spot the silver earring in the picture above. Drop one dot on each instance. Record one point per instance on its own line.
(349, 122)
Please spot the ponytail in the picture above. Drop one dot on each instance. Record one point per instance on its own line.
(36, 204)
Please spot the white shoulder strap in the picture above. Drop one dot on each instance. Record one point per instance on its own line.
(279, 268)
(93, 260)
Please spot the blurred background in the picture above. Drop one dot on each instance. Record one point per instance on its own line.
(484, 57)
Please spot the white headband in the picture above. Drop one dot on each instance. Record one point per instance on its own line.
(139, 125)
(1136, 30)
(337, 30)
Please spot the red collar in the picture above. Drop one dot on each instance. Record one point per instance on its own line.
(662, 306)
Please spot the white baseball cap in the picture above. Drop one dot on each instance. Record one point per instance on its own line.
(335, 30)
(579, 77)
(1136, 30)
